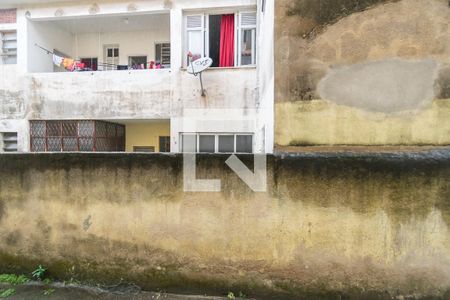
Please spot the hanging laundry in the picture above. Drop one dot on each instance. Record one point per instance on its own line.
(57, 60)
(68, 64)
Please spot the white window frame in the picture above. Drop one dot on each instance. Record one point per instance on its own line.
(237, 34)
(186, 35)
(238, 41)
(216, 141)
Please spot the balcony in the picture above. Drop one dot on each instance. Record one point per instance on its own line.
(100, 43)
(117, 82)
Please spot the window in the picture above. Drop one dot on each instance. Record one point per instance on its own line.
(137, 62)
(195, 36)
(164, 144)
(189, 143)
(244, 143)
(216, 143)
(229, 39)
(162, 54)
(207, 143)
(8, 43)
(9, 141)
(247, 39)
(90, 63)
(76, 135)
(226, 143)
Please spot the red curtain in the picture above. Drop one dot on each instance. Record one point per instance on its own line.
(227, 41)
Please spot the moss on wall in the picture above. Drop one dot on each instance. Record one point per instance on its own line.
(325, 221)
(326, 12)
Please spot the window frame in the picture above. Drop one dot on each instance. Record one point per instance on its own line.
(216, 141)
(237, 34)
(238, 43)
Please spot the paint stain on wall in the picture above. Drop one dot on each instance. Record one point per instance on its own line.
(387, 86)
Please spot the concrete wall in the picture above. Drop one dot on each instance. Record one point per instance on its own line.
(329, 224)
(370, 73)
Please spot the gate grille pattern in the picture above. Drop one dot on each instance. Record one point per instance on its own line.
(85, 136)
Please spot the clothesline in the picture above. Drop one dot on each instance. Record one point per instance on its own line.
(71, 64)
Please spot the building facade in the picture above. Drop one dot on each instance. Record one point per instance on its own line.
(128, 87)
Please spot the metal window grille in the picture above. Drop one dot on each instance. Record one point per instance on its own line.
(76, 135)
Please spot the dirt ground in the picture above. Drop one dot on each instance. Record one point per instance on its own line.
(59, 291)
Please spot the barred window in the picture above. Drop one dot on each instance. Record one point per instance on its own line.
(76, 135)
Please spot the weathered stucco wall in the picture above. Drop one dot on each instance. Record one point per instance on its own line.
(330, 224)
(351, 68)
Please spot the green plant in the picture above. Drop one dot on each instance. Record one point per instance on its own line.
(39, 272)
(7, 292)
(48, 292)
(13, 279)
(47, 281)
(231, 296)
(242, 295)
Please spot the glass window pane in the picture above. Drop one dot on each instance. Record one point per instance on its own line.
(247, 46)
(226, 143)
(110, 52)
(195, 44)
(244, 144)
(207, 143)
(189, 143)
(116, 52)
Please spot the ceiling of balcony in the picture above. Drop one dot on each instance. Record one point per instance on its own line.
(114, 23)
(14, 3)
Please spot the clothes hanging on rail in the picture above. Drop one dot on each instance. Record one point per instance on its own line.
(68, 64)
(57, 60)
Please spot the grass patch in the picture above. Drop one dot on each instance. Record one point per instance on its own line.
(13, 279)
(7, 292)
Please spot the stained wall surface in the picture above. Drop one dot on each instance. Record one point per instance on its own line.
(371, 72)
(329, 224)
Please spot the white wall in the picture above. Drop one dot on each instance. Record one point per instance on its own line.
(135, 43)
(266, 76)
(49, 37)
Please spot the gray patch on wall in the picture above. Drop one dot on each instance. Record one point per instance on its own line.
(387, 86)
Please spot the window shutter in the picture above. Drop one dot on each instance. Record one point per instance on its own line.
(195, 22)
(248, 19)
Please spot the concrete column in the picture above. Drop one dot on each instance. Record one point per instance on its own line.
(176, 38)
